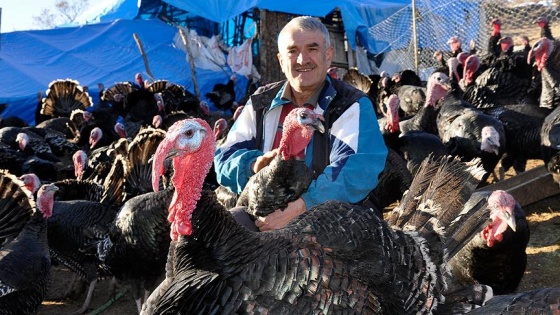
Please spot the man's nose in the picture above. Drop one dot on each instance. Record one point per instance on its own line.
(302, 57)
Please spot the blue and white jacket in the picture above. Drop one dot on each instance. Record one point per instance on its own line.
(357, 155)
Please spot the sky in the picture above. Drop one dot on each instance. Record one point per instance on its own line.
(17, 15)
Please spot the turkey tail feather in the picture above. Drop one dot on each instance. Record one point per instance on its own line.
(359, 80)
(113, 186)
(73, 189)
(64, 96)
(446, 181)
(140, 153)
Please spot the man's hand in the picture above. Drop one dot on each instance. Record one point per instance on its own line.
(263, 160)
(279, 218)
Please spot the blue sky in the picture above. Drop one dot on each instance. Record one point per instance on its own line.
(17, 15)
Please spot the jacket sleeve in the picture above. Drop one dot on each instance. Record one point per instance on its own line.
(232, 160)
(357, 158)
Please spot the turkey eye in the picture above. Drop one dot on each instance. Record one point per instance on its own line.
(189, 133)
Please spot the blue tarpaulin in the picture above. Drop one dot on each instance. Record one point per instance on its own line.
(358, 15)
(103, 49)
(99, 53)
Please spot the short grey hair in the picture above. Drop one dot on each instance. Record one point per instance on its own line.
(307, 23)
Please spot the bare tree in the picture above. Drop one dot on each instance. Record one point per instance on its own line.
(64, 11)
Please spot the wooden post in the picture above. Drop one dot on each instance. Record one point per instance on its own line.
(270, 25)
(185, 38)
(144, 57)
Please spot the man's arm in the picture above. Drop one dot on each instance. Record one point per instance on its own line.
(357, 158)
(234, 158)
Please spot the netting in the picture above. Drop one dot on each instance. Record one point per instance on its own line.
(391, 44)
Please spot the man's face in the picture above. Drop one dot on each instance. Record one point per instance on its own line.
(304, 58)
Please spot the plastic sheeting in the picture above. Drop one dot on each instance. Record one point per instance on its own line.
(100, 53)
(358, 15)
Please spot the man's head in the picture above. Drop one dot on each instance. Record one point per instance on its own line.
(305, 53)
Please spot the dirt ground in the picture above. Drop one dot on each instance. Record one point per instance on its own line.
(542, 266)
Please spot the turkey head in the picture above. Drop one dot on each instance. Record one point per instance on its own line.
(501, 206)
(287, 176)
(190, 143)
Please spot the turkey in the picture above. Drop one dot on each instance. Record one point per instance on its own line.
(28, 142)
(359, 80)
(136, 246)
(24, 260)
(543, 23)
(505, 82)
(335, 258)
(469, 133)
(16, 204)
(493, 47)
(82, 215)
(287, 176)
(538, 301)
(415, 146)
(223, 95)
(496, 255)
(10, 121)
(425, 118)
(411, 98)
(522, 126)
(547, 56)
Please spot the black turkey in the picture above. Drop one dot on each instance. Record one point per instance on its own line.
(223, 95)
(547, 58)
(522, 126)
(496, 255)
(335, 258)
(137, 244)
(24, 260)
(287, 176)
(81, 219)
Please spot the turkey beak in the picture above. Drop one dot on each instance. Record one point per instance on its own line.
(509, 219)
(317, 124)
(171, 154)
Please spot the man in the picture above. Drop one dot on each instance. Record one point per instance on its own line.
(347, 160)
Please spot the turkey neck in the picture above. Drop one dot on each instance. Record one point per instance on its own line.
(214, 226)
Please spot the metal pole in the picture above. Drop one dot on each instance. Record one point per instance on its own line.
(414, 35)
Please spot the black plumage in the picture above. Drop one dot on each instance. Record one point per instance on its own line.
(223, 95)
(139, 241)
(24, 260)
(539, 301)
(335, 258)
(74, 230)
(547, 56)
(522, 126)
(416, 146)
(287, 176)
(496, 255)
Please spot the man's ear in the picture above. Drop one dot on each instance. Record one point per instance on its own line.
(279, 56)
(330, 55)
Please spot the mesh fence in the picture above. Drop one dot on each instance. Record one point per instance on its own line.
(438, 20)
